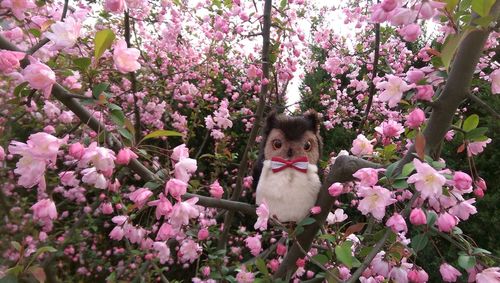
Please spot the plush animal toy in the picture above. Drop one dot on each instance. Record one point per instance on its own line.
(286, 174)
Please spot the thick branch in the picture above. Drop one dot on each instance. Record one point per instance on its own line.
(242, 170)
(341, 172)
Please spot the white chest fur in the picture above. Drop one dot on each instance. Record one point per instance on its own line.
(289, 194)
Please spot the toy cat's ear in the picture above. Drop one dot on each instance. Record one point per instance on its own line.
(313, 117)
(270, 122)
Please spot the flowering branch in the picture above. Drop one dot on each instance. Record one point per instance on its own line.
(242, 170)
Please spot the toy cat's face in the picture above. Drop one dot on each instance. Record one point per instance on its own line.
(290, 137)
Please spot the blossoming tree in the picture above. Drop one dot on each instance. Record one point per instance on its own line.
(129, 128)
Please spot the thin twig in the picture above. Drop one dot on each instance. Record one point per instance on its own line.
(486, 106)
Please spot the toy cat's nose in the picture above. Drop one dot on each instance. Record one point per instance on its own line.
(289, 153)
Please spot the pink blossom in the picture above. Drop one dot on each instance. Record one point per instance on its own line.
(336, 189)
(462, 181)
(361, 146)
(336, 217)
(315, 210)
(380, 265)
(76, 150)
(117, 233)
(446, 222)
(281, 249)
(254, 244)
(126, 58)
(393, 90)
(379, 15)
(64, 34)
(262, 217)
(253, 72)
(163, 251)
(399, 274)
(184, 168)
(189, 251)
(480, 184)
(417, 217)
(9, 61)
(39, 76)
(102, 158)
(389, 5)
(165, 232)
(180, 152)
(18, 7)
(448, 272)
(424, 92)
(410, 32)
(125, 155)
(203, 234)
(374, 201)
(390, 129)
(163, 206)
(403, 16)
(92, 177)
(427, 180)
(415, 118)
(418, 276)
(475, 148)
(367, 176)
(2, 153)
(397, 223)
(140, 196)
(107, 208)
(176, 188)
(119, 220)
(244, 276)
(464, 209)
(183, 211)
(115, 6)
(415, 75)
(44, 209)
(489, 275)
(216, 190)
(494, 77)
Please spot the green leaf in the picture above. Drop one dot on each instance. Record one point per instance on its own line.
(306, 221)
(20, 88)
(177, 2)
(476, 133)
(9, 277)
(431, 218)
(482, 7)
(102, 41)
(419, 242)
(450, 47)
(261, 265)
(117, 117)
(400, 184)
(36, 32)
(343, 253)
(323, 259)
(450, 4)
(126, 134)
(16, 245)
(98, 89)
(390, 169)
(217, 3)
(113, 106)
(471, 123)
(162, 133)
(466, 261)
(407, 169)
(82, 63)
(283, 4)
(479, 251)
(152, 185)
(483, 21)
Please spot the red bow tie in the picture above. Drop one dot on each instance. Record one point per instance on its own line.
(299, 164)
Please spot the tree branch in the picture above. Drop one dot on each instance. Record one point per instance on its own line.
(486, 106)
(133, 80)
(372, 89)
(242, 170)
